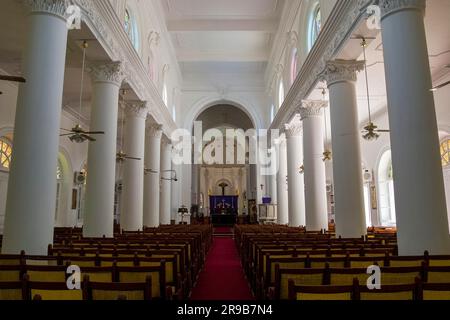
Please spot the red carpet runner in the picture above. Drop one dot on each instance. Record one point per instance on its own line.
(223, 276)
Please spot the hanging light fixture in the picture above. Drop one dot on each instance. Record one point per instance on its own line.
(371, 131)
(327, 153)
(77, 134)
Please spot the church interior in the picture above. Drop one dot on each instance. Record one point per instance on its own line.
(224, 150)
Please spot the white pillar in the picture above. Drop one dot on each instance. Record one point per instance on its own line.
(166, 166)
(30, 205)
(418, 179)
(100, 187)
(282, 185)
(152, 176)
(347, 167)
(315, 179)
(131, 216)
(296, 188)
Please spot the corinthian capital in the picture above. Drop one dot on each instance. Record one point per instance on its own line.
(390, 6)
(294, 129)
(312, 108)
(56, 7)
(154, 131)
(136, 109)
(341, 70)
(108, 72)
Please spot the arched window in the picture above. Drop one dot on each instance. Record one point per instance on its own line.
(5, 153)
(272, 113)
(294, 65)
(131, 28)
(386, 190)
(59, 184)
(165, 96)
(315, 25)
(281, 94)
(445, 152)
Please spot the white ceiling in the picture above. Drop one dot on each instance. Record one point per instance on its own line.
(216, 36)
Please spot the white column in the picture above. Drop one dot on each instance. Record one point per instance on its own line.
(166, 166)
(152, 176)
(315, 179)
(347, 168)
(30, 205)
(296, 188)
(282, 185)
(131, 217)
(418, 179)
(100, 185)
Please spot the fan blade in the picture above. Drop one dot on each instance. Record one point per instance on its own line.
(66, 130)
(442, 85)
(88, 138)
(95, 132)
(132, 158)
(14, 79)
(383, 130)
(66, 134)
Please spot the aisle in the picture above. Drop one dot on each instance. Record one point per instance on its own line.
(223, 276)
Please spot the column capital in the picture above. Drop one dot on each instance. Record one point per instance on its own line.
(55, 7)
(155, 131)
(341, 70)
(108, 72)
(312, 108)
(165, 142)
(294, 129)
(136, 109)
(390, 6)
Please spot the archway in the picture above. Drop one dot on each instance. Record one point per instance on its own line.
(386, 197)
(238, 176)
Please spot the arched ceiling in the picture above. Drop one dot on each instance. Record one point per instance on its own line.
(220, 116)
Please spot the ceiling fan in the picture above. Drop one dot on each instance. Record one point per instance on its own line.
(77, 134)
(12, 79)
(371, 131)
(121, 156)
(440, 86)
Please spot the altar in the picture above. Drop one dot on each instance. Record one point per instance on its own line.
(224, 209)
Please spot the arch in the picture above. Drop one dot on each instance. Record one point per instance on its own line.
(313, 24)
(205, 103)
(385, 183)
(64, 186)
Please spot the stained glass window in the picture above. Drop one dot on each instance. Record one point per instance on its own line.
(130, 26)
(315, 26)
(5, 154)
(445, 153)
